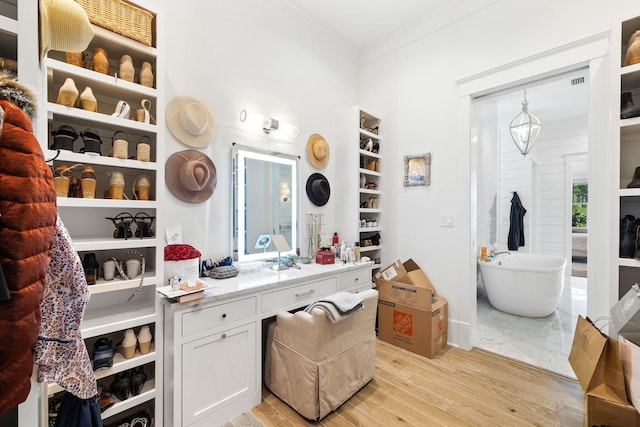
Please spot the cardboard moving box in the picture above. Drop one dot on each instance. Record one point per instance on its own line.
(420, 329)
(605, 412)
(408, 272)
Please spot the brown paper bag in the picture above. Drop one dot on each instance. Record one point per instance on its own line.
(595, 360)
(630, 360)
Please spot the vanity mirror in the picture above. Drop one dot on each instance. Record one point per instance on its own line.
(264, 202)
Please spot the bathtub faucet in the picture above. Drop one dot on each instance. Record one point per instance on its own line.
(503, 252)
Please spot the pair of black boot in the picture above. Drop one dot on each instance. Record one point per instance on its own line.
(629, 247)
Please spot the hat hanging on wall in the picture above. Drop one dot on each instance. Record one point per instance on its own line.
(190, 121)
(190, 176)
(318, 189)
(64, 26)
(317, 151)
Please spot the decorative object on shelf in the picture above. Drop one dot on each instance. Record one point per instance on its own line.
(126, 71)
(144, 339)
(146, 75)
(92, 142)
(417, 170)
(64, 26)
(68, 93)
(116, 186)
(190, 176)
(318, 189)
(141, 186)
(88, 183)
(123, 110)
(102, 354)
(63, 138)
(100, 61)
(632, 56)
(88, 101)
(190, 121)
(90, 266)
(144, 114)
(267, 125)
(627, 107)
(122, 222)
(143, 221)
(129, 343)
(525, 128)
(143, 149)
(75, 58)
(120, 145)
(635, 181)
(317, 151)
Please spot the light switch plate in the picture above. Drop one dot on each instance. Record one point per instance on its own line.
(446, 220)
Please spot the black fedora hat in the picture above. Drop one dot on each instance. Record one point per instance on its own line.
(318, 189)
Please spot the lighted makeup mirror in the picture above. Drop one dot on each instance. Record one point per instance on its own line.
(264, 202)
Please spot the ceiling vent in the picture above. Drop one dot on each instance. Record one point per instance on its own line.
(577, 81)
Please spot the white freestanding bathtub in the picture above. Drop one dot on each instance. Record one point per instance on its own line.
(524, 284)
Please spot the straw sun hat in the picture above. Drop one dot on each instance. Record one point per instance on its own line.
(317, 151)
(190, 121)
(190, 176)
(64, 26)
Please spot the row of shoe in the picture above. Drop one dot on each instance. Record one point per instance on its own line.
(632, 55)
(100, 64)
(104, 349)
(370, 145)
(371, 127)
(628, 109)
(371, 241)
(123, 221)
(65, 136)
(141, 419)
(69, 96)
(128, 383)
(370, 203)
(364, 223)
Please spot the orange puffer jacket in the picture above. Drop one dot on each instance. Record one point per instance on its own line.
(27, 227)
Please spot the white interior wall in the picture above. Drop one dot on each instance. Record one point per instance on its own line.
(260, 56)
(415, 90)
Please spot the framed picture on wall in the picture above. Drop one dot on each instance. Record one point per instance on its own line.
(417, 170)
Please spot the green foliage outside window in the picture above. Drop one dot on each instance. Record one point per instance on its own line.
(579, 207)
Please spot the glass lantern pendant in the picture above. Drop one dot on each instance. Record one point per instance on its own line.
(525, 128)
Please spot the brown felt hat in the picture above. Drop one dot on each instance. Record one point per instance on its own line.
(190, 176)
(318, 151)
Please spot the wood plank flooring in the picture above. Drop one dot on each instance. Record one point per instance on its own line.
(456, 388)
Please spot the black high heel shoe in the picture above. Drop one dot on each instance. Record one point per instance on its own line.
(121, 385)
(137, 378)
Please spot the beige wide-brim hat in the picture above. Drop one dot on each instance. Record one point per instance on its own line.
(64, 26)
(190, 176)
(317, 151)
(190, 121)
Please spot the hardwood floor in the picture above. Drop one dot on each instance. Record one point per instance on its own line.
(456, 388)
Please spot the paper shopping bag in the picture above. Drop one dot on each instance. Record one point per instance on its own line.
(630, 360)
(595, 360)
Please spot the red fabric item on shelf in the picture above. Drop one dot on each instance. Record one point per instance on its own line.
(178, 252)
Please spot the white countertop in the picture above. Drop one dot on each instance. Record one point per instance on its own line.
(260, 281)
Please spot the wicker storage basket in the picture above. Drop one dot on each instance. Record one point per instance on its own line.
(122, 18)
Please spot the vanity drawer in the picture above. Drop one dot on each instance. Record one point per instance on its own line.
(357, 279)
(202, 319)
(298, 296)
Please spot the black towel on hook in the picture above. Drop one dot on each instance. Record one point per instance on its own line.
(516, 226)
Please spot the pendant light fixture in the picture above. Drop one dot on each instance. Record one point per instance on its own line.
(525, 128)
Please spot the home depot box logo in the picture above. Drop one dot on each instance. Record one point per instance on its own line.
(403, 322)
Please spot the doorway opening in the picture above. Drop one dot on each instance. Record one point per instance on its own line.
(544, 180)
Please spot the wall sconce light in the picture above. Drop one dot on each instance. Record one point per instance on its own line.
(268, 124)
(525, 128)
(285, 193)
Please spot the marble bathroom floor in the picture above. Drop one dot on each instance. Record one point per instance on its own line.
(544, 342)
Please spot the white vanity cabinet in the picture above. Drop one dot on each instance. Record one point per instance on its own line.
(213, 347)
